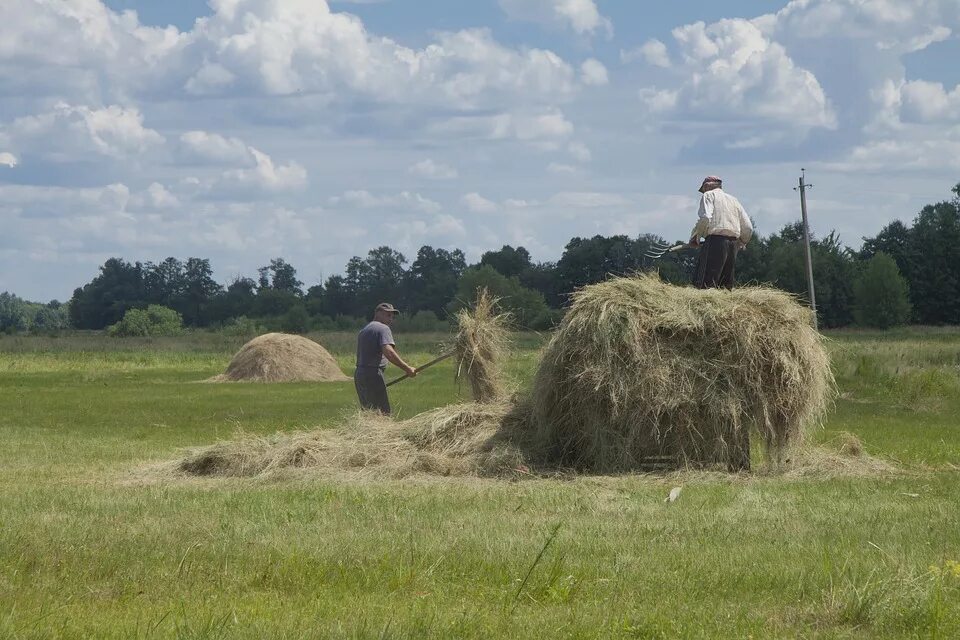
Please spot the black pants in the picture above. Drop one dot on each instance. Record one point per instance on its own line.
(716, 264)
(372, 389)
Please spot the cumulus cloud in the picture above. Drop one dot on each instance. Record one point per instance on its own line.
(543, 128)
(476, 203)
(580, 152)
(363, 199)
(69, 132)
(431, 170)
(895, 25)
(7, 159)
(593, 72)
(732, 71)
(264, 177)
(205, 147)
(582, 16)
(929, 102)
(653, 52)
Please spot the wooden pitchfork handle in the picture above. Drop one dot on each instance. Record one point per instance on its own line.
(448, 354)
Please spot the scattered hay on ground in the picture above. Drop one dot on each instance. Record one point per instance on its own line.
(641, 370)
(281, 357)
(480, 345)
(459, 440)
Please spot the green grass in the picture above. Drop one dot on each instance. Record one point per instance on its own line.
(87, 551)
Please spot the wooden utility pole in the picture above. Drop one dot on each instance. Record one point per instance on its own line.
(806, 242)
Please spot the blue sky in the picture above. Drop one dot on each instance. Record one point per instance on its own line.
(242, 130)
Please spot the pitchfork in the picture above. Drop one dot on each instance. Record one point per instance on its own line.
(659, 249)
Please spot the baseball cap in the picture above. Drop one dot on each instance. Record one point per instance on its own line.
(711, 180)
(386, 306)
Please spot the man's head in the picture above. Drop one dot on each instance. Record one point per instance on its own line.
(385, 313)
(710, 183)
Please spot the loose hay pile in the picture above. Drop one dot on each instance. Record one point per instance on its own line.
(280, 357)
(640, 371)
(465, 439)
(479, 345)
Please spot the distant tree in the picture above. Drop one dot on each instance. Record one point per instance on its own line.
(238, 300)
(934, 256)
(155, 320)
(50, 317)
(337, 297)
(163, 283)
(14, 314)
(198, 291)
(507, 261)
(526, 306)
(431, 281)
(279, 275)
(588, 260)
(880, 294)
(118, 287)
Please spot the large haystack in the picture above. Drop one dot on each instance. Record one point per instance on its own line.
(280, 357)
(641, 371)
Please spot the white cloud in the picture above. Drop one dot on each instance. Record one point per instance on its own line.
(901, 26)
(653, 52)
(731, 71)
(70, 132)
(587, 199)
(580, 152)
(7, 159)
(265, 176)
(478, 204)
(542, 128)
(929, 102)
(429, 169)
(363, 199)
(202, 146)
(561, 169)
(594, 73)
(582, 16)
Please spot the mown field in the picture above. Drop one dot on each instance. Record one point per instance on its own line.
(88, 549)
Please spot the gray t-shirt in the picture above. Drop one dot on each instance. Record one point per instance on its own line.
(370, 342)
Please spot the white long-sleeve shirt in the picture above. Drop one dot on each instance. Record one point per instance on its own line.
(722, 215)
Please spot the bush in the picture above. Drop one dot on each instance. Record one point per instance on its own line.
(295, 320)
(242, 326)
(880, 294)
(527, 307)
(155, 320)
(421, 322)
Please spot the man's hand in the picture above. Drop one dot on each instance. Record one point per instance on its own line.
(694, 241)
(411, 372)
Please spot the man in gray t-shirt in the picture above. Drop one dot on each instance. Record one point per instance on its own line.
(375, 346)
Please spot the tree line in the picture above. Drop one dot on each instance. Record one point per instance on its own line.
(906, 273)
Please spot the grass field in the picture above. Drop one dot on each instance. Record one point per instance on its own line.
(87, 551)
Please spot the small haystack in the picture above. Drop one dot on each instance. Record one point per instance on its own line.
(480, 345)
(641, 371)
(281, 357)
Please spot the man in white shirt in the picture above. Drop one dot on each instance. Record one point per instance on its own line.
(726, 229)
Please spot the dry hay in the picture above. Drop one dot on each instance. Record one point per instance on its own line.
(479, 345)
(281, 357)
(638, 370)
(641, 370)
(465, 439)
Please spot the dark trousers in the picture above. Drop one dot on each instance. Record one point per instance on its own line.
(372, 389)
(716, 264)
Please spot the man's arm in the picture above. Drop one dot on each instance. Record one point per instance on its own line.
(746, 227)
(390, 353)
(704, 215)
